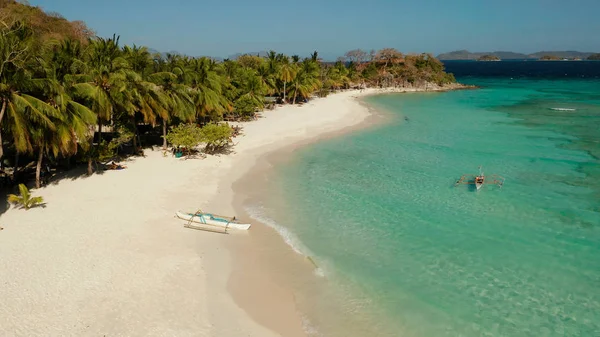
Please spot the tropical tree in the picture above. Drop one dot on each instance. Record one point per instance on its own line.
(287, 73)
(337, 76)
(206, 86)
(169, 75)
(388, 56)
(273, 63)
(356, 56)
(147, 97)
(71, 119)
(103, 85)
(267, 77)
(17, 106)
(250, 61)
(250, 91)
(306, 80)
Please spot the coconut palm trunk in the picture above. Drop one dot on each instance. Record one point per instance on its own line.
(99, 131)
(38, 168)
(164, 134)
(135, 135)
(91, 160)
(2, 110)
(284, 91)
(16, 168)
(90, 170)
(295, 94)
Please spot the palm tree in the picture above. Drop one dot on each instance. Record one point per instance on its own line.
(250, 90)
(169, 76)
(273, 68)
(147, 96)
(273, 61)
(315, 57)
(336, 76)
(104, 83)
(287, 73)
(72, 120)
(206, 88)
(307, 79)
(16, 105)
(65, 62)
(266, 76)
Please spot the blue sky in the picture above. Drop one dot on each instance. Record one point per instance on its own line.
(221, 28)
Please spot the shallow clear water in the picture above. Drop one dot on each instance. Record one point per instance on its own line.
(377, 211)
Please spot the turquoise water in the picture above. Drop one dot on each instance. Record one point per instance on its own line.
(377, 211)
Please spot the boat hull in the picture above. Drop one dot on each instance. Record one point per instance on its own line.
(207, 219)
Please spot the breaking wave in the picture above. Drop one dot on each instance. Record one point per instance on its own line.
(258, 213)
(563, 109)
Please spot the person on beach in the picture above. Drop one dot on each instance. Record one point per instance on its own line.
(45, 174)
(115, 166)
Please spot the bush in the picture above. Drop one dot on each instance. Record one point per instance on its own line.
(246, 107)
(217, 137)
(106, 151)
(25, 199)
(187, 136)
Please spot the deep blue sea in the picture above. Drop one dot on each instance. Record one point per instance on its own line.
(408, 254)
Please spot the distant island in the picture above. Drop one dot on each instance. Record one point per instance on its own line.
(489, 58)
(594, 57)
(550, 58)
(507, 55)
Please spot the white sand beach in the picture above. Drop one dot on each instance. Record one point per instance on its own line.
(106, 257)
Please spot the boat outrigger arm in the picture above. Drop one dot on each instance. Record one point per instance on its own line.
(480, 179)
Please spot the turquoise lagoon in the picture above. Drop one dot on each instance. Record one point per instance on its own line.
(377, 211)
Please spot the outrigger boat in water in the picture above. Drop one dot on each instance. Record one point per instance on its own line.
(480, 179)
(211, 220)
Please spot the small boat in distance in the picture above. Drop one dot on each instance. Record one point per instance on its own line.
(479, 180)
(211, 220)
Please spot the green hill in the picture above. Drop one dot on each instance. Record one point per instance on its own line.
(46, 26)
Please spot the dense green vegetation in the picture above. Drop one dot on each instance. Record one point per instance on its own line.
(67, 96)
(186, 137)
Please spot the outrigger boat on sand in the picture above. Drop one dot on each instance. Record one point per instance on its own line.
(480, 179)
(211, 220)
